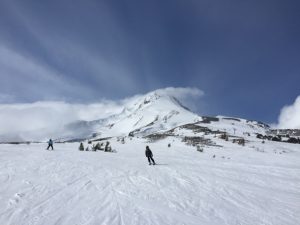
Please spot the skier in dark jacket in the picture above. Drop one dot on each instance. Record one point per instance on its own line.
(149, 155)
(50, 144)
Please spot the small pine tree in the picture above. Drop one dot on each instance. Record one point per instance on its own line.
(241, 142)
(169, 145)
(224, 136)
(199, 148)
(107, 147)
(97, 147)
(81, 147)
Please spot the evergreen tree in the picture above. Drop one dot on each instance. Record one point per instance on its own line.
(123, 141)
(97, 146)
(107, 147)
(81, 147)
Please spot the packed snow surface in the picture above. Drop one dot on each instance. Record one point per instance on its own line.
(255, 184)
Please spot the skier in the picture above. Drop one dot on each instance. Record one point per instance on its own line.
(50, 144)
(149, 155)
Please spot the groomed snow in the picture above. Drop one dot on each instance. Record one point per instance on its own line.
(251, 185)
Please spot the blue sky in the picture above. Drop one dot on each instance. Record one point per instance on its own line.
(244, 55)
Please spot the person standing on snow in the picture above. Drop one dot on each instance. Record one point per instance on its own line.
(50, 144)
(149, 155)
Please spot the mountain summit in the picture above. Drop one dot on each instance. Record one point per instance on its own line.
(141, 115)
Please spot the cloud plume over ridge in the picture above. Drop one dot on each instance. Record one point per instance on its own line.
(39, 120)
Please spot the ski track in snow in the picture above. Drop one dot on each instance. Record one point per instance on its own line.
(240, 186)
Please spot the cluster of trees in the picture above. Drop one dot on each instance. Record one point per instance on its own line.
(196, 140)
(294, 140)
(156, 137)
(121, 139)
(240, 141)
(279, 138)
(224, 136)
(95, 147)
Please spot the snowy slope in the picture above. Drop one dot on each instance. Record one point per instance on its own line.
(236, 126)
(227, 183)
(255, 184)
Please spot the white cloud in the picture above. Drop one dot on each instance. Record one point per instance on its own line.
(187, 96)
(290, 116)
(181, 93)
(39, 120)
(32, 78)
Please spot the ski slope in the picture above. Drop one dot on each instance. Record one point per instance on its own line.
(255, 184)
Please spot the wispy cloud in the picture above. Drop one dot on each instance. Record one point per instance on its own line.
(39, 120)
(33, 79)
(182, 92)
(71, 61)
(189, 96)
(290, 116)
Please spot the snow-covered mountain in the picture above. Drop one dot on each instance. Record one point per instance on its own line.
(158, 112)
(144, 115)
